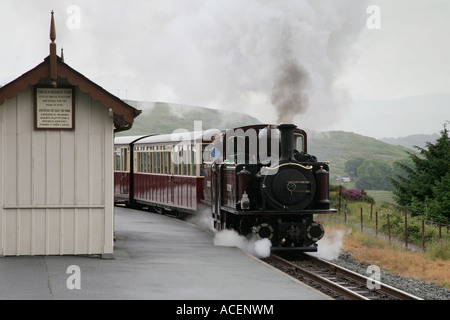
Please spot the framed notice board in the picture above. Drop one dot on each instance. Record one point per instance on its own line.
(54, 108)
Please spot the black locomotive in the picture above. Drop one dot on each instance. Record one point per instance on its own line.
(267, 185)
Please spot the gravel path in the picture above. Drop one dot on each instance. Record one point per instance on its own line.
(422, 289)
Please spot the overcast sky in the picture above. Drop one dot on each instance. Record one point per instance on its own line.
(307, 62)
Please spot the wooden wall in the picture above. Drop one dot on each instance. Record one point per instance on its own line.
(56, 186)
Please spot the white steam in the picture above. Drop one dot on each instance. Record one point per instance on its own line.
(203, 219)
(230, 238)
(330, 245)
(278, 60)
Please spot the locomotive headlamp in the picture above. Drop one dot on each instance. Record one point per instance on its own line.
(315, 231)
(245, 201)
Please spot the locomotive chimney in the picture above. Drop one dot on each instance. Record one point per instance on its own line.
(287, 141)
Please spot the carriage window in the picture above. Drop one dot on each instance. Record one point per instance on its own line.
(117, 159)
(121, 159)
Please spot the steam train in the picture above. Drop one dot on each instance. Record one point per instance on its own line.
(258, 180)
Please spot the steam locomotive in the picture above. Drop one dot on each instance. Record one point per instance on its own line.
(258, 180)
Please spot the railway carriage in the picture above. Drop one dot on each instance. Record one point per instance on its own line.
(163, 172)
(264, 183)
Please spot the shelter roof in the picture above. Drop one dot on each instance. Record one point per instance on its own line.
(54, 72)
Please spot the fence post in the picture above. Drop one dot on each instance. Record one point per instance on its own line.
(376, 224)
(371, 208)
(406, 228)
(345, 213)
(361, 219)
(440, 233)
(389, 228)
(423, 236)
(339, 198)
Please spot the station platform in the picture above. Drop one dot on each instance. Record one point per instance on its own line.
(155, 257)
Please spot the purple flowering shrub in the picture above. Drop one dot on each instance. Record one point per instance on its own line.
(354, 194)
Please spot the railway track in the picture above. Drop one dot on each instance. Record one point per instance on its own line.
(335, 281)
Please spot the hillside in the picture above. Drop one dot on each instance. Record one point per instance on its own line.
(340, 146)
(412, 140)
(334, 146)
(160, 117)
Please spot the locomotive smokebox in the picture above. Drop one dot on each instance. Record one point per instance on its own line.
(287, 141)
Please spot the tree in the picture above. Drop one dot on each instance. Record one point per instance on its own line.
(424, 181)
(439, 204)
(352, 165)
(372, 175)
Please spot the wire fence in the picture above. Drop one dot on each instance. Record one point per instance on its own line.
(412, 227)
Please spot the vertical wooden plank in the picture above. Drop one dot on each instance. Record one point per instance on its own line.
(96, 231)
(10, 147)
(24, 170)
(24, 129)
(10, 232)
(53, 231)
(96, 152)
(68, 168)
(75, 232)
(82, 231)
(81, 149)
(96, 177)
(53, 167)
(24, 231)
(40, 231)
(2, 153)
(39, 173)
(67, 234)
(108, 229)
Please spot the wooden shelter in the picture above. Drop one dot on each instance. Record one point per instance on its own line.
(56, 161)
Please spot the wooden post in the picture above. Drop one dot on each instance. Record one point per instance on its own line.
(345, 213)
(339, 198)
(423, 235)
(371, 208)
(389, 228)
(376, 224)
(406, 228)
(361, 219)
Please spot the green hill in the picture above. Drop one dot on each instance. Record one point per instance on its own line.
(334, 146)
(340, 146)
(160, 117)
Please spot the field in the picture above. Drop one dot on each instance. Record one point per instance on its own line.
(432, 265)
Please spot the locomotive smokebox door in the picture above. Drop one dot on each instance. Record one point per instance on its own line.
(292, 188)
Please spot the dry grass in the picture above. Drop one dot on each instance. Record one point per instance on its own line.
(419, 265)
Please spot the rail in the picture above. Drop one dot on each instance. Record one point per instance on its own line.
(342, 283)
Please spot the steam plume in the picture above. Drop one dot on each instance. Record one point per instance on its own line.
(274, 59)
